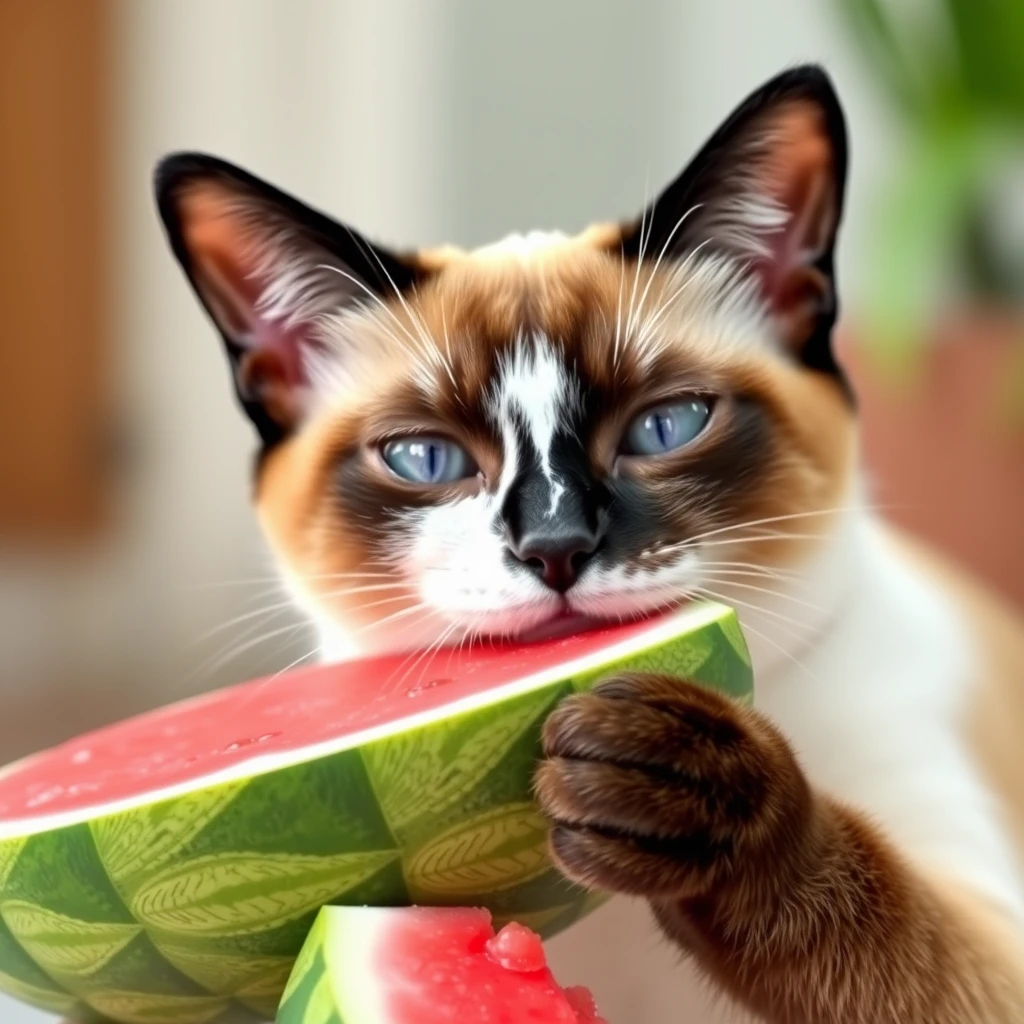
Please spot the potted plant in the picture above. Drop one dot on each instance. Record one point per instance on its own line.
(937, 347)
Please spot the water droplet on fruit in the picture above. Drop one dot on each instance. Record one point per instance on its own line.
(516, 948)
(430, 684)
(45, 797)
(252, 741)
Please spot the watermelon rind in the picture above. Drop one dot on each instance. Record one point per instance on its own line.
(190, 906)
(334, 981)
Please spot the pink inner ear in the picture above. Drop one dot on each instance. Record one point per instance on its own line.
(232, 274)
(798, 175)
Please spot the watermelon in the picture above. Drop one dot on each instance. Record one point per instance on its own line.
(425, 965)
(167, 870)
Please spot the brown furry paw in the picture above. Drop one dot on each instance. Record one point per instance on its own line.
(659, 788)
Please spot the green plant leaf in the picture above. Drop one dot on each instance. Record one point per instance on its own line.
(236, 893)
(888, 53)
(64, 945)
(493, 851)
(989, 42)
(146, 1008)
(922, 216)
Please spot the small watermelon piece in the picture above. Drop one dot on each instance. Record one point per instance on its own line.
(169, 868)
(425, 965)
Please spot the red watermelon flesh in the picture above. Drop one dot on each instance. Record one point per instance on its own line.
(420, 965)
(448, 965)
(279, 720)
(177, 859)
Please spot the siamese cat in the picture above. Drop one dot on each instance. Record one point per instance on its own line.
(555, 431)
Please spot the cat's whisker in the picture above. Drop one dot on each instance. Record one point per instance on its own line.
(783, 651)
(796, 628)
(211, 666)
(618, 310)
(278, 578)
(427, 653)
(800, 633)
(654, 270)
(788, 517)
(794, 579)
(729, 582)
(393, 617)
(646, 227)
(298, 661)
(289, 603)
(429, 348)
(448, 354)
(374, 298)
(664, 307)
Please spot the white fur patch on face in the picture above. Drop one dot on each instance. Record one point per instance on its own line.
(534, 393)
(458, 564)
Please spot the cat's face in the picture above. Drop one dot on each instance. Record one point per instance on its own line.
(513, 440)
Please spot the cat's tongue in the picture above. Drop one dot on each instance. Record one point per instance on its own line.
(563, 624)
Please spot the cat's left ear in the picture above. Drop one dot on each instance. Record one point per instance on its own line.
(766, 190)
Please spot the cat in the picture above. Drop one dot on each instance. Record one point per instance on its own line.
(557, 430)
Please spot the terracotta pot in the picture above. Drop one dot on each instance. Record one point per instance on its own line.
(944, 454)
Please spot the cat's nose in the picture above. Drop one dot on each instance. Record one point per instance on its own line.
(556, 557)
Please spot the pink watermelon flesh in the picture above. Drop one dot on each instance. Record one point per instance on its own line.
(440, 966)
(278, 716)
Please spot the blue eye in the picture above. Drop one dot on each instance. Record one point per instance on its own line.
(428, 460)
(664, 428)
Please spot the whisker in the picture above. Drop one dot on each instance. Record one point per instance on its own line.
(209, 667)
(661, 255)
(793, 627)
(782, 650)
(783, 518)
(764, 590)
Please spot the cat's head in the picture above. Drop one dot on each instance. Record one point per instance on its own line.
(491, 441)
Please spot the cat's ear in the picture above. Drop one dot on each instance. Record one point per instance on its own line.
(766, 190)
(266, 267)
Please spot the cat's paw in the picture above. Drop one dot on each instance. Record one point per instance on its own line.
(658, 788)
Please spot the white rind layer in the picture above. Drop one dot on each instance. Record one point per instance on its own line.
(661, 631)
(351, 942)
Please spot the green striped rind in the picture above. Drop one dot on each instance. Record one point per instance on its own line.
(334, 980)
(193, 910)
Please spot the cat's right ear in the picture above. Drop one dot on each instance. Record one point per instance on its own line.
(265, 268)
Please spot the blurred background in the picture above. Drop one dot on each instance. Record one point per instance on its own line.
(129, 558)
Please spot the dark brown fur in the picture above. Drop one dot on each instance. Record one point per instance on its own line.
(795, 905)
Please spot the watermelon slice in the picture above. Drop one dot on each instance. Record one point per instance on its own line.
(167, 870)
(419, 965)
